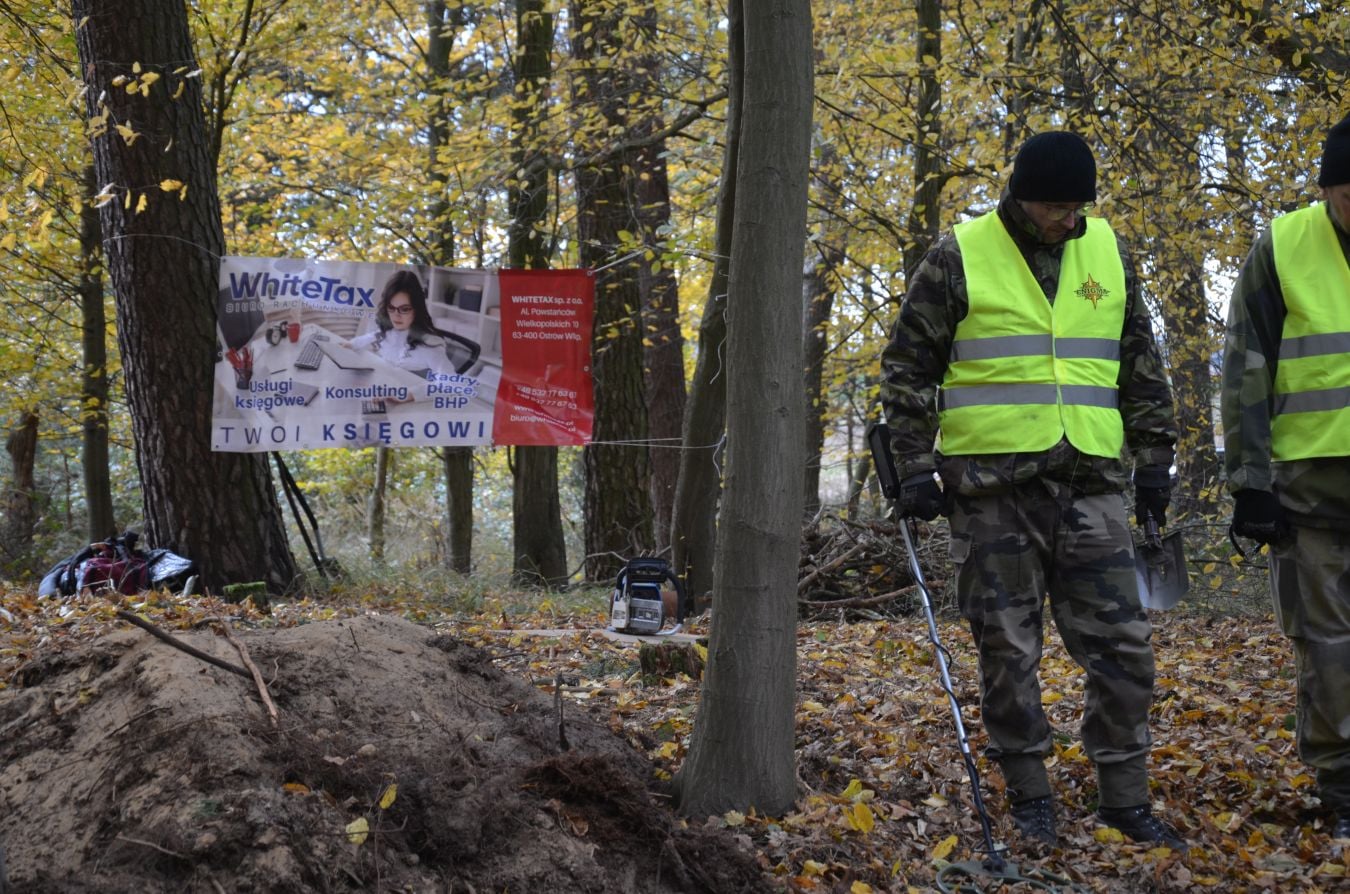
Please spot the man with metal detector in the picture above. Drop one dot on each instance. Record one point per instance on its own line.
(1286, 420)
(1023, 344)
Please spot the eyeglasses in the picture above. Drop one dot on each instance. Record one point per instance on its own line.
(1059, 212)
(400, 309)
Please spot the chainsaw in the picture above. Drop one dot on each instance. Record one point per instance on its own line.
(638, 604)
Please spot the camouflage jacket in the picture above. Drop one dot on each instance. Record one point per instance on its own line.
(1315, 491)
(915, 361)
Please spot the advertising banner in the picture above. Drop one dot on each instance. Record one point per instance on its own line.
(316, 354)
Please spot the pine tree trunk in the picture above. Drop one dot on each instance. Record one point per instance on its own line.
(162, 254)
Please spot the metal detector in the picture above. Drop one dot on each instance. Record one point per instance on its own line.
(993, 864)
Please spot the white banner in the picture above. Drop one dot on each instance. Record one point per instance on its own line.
(353, 354)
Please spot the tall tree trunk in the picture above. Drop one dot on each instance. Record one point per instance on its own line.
(618, 508)
(20, 501)
(741, 750)
(662, 337)
(539, 549)
(162, 256)
(694, 519)
(925, 214)
(94, 381)
(457, 461)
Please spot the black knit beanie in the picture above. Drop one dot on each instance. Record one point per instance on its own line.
(1336, 155)
(1055, 166)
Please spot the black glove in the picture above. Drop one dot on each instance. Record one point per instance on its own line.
(921, 497)
(1259, 516)
(1152, 493)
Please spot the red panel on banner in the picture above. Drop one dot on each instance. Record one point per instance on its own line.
(545, 396)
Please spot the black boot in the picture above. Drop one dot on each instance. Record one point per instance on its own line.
(1139, 824)
(1035, 818)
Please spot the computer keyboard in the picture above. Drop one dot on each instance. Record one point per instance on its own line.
(311, 355)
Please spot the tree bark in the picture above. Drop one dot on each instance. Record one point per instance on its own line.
(163, 256)
(442, 21)
(662, 337)
(20, 504)
(925, 215)
(694, 517)
(618, 508)
(539, 552)
(818, 300)
(94, 392)
(741, 750)
(375, 505)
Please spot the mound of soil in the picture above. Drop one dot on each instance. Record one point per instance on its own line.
(130, 765)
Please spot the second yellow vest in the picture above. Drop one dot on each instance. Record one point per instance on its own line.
(1312, 381)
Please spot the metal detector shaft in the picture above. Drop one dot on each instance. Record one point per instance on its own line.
(908, 535)
(879, 440)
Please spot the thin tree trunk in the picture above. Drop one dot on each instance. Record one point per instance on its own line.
(741, 750)
(162, 255)
(694, 517)
(539, 553)
(818, 299)
(375, 505)
(20, 503)
(94, 381)
(925, 214)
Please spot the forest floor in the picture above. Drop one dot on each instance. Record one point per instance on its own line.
(418, 748)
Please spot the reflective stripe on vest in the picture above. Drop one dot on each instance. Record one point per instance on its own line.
(1023, 373)
(1312, 382)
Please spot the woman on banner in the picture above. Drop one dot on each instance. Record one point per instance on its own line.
(405, 335)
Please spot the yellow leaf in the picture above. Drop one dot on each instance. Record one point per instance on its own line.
(357, 830)
(853, 790)
(1049, 698)
(702, 651)
(668, 750)
(179, 92)
(860, 818)
(127, 134)
(812, 707)
(7, 242)
(811, 867)
(860, 888)
(141, 203)
(182, 194)
(169, 185)
(734, 818)
(944, 848)
(935, 801)
(1107, 835)
(296, 788)
(390, 793)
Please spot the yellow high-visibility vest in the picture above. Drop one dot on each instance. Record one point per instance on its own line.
(1312, 383)
(1023, 373)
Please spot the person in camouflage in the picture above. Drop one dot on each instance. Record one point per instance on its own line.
(1286, 420)
(1022, 343)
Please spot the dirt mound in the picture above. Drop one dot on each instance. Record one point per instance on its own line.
(132, 766)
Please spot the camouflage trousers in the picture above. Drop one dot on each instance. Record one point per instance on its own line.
(1012, 550)
(1310, 582)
